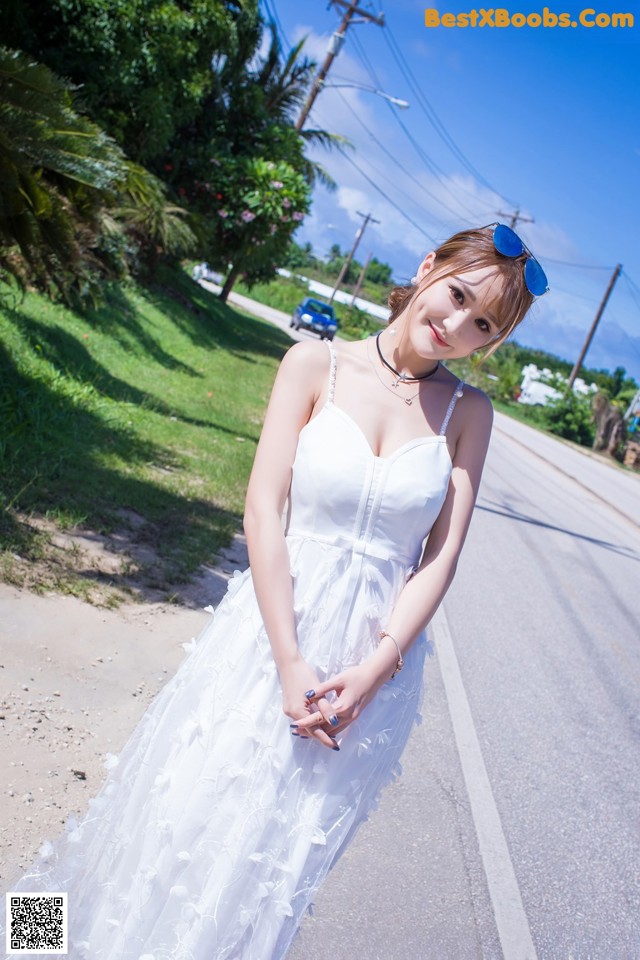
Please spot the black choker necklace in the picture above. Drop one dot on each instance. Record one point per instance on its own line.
(402, 377)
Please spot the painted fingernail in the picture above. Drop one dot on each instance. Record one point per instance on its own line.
(310, 694)
(333, 721)
(294, 734)
(294, 726)
(336, 747)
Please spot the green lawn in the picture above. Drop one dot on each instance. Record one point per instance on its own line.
(138, 419)
(285, 294)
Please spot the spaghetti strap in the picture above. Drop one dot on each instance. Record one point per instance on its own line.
(332, 372)
(457, 393)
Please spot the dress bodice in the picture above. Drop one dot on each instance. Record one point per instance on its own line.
(342, 493)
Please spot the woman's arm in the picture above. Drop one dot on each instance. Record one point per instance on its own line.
(298, 385)
(424, 592)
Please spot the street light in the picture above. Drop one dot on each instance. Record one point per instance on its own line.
(319, 84)
(402, 104)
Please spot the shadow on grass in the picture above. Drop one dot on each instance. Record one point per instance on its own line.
(69, 355)
(209, 323)
(119, 317)
(52, 457)
(56, 442)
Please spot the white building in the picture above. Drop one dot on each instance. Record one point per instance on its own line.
(536, 388)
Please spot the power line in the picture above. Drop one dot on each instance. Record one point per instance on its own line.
(592, 330)
(433, 117)
(572, 293)
(431, 165)
(635, 293)
(335, 45)
(630, 282)
(399, 165)
(383, 194)
(273, 16)
(581, 266)
(368, 218)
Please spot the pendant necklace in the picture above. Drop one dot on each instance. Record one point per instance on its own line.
(402, 377)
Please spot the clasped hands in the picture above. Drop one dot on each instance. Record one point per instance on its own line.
(313, 715)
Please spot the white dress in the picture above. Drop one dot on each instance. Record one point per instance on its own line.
(216, 827)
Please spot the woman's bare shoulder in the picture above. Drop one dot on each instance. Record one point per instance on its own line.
(472, 418)
(477, 403)
(306, 358)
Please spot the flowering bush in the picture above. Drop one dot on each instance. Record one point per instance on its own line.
(258, 205)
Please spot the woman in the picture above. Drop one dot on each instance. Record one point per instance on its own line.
(222, 818)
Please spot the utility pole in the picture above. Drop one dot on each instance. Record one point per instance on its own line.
(335, 45)
(356, 289)
(587, 343)
(345, 266)
(514, 217)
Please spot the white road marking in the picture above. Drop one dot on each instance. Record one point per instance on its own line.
(511, 919)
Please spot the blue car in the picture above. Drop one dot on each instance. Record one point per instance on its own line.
(317, 316)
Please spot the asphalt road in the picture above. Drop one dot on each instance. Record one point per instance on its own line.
(514, 831)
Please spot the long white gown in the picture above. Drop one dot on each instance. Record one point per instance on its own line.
(216, 827)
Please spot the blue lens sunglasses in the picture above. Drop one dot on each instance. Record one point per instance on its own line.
(508, 243)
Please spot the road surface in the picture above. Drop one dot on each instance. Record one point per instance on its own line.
(515, 830)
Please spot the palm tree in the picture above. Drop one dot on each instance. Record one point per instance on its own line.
(251, 113)
(285, 85)
(65, 187)
(57, 170)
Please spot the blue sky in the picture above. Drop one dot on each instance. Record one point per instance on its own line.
(544, 120)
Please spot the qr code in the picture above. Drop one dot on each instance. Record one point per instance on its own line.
(37, 923)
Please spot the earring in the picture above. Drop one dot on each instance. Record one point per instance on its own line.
(414, 281)
(391, 331)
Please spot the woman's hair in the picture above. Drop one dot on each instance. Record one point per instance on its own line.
(471, 250)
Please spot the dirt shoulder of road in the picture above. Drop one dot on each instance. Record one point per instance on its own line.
(75, 680)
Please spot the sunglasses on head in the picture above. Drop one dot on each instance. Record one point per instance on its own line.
(508, 243)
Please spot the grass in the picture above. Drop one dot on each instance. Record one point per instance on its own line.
(136, 422)
(374, 292)
(285, 294)
(127, 435)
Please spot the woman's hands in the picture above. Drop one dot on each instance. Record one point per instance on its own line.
(355, 688)
(297, 679)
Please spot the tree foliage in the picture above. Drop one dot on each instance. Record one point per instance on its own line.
(57, 170)
(143, 66)
(225, 163)
(187, 94)
(570, 415)
(258, 205)
(379, 272)
(72, 207)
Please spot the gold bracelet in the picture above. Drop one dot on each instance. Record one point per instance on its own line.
(400, 663)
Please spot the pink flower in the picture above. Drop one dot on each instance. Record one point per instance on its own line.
(277, 184)
(286, 202)
(247, 216)
(223, 214)
(296, 215)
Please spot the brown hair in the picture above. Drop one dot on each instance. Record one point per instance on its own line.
(471, 250)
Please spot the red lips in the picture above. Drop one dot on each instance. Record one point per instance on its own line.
(437, 337)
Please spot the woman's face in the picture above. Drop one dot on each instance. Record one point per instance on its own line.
(455, 314)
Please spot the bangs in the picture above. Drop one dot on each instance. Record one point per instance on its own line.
(471, 250)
